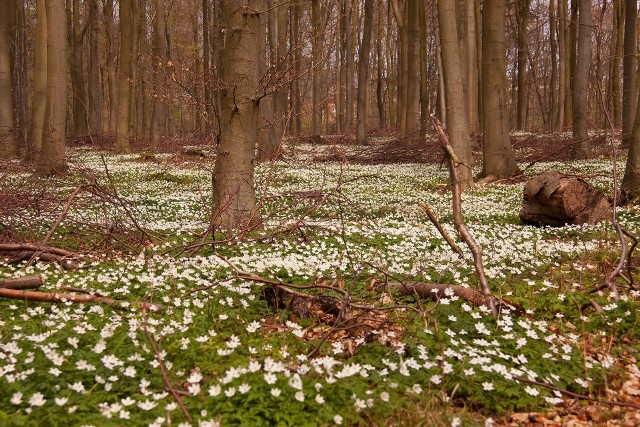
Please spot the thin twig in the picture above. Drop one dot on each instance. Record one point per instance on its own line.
(441, 229)
(62, 214)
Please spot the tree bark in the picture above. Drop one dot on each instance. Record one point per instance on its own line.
(563, 64)
(616, 51)
(52, 159)
(412, 79)
(457, 121)
(8, 146)
(553, 84)
(316, 74)
(498, 157)
(522, 11)
(127, 27)
(158, 118)
(629, 66)
(234, 202)
(95, 90)
(363, 74)
(112, 81)
(280, 99)
(78, 83)
(39, 103)
(581, 81)
(380, 70)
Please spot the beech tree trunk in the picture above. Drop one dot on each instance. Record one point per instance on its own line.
(457, 121)
(522, 11)
(581, 81)
(127, 27)
(95, 89)
(234, 200)
(52, 159)
(39, 103)
(363, 74)
(8, 146)
(112, 81)
(498, 157)
(317, 50)
(629, 66)
(158, 119)
(553, 84)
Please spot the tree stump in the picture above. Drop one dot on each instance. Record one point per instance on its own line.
(554, 199)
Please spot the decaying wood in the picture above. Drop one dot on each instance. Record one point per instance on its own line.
(554, 199)
(26, 251)
(436, 291)
(26, 282)
(458, 220)
(59, 297)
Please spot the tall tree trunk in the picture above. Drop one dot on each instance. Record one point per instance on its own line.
(629, 66)
(390, 66)
(52, 159)
(127, 26)
(522, 11)
(380, 71)
(631, 181)
(280, 101)
(471, 64)
(412, 79)
(95, 91)
(8, 146)
(457, 121)
(234, 200)
(351, 36)
(498, 157)
(571, 40)
(19, 65)
(616, 50)
(424, 74)
(39, 103)
(296, 113)
(563, 61)
(553, 41)
(363, 74)
(316, 74)
(581, 81)
(111, 66)
(78, 83)
(158, 119)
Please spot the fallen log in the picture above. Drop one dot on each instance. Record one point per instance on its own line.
(435, 291)
(57, 297)
(27, 251)
(26, 282)
(554, 199)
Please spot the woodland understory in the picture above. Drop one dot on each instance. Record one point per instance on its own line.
(144, 318)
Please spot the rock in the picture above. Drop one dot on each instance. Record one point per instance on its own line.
(554, 199)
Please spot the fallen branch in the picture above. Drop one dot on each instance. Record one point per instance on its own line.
(458, 220)
(80, 290)
(58, 297)
(62, 214)
(19, 247)
(26, 282)
(441, 229)
(28, 251)
(577, 395)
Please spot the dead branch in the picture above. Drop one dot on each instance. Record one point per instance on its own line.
(441, 229)
(19, 247)
(158, 355)
(26, 282)
(62, 214)
(80, 290)
(576, 395)
(59, 297)
(28, 251)
(458, 220)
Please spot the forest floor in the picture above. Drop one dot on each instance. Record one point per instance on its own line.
(291, 323)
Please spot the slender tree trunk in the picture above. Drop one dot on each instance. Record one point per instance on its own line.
(412, 79)
(390, 66)
(111, 66)
(457, 121)
(363, 74)
(8, 146)
(498, 156)
(471, 70)
(158, 119)
(571, 39)
(296, 119)
(280, 100)
(234, 201)
(424, 74)
(380, 70)
(316, 72)
(78, 83)
(581, 81)
(553, 93)
(52, 159)
(351, 36)
(522, 8)
(616, 50)
(39, 103)
(95, 91)
(123, 144)
(563, 60)
(629, 66)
